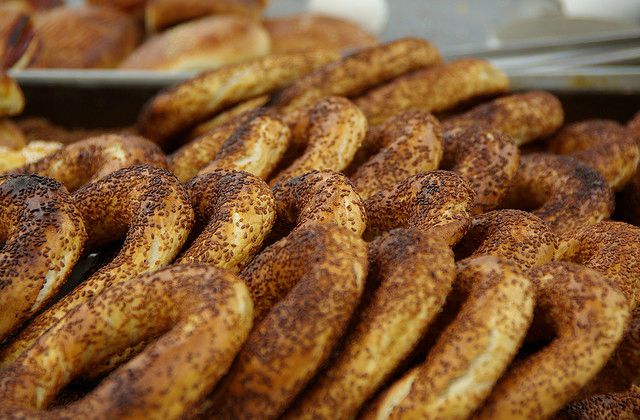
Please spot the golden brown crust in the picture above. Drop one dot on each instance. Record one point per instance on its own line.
(43, 235)
(84, 37)
(255, 147)
(564, 192)
(512, 235)
(89, 160)
(227, 115)
(202, 44)
(588, 315)
(434, 89)
(414, 273)
(198, 318)
(473, 351)
(145, 207)
(335, 129)
(235, 211)
(523, 116)
(439, 202)
(486, 158)
(305, 288)
(614, 406)
(177, 109)
(160, 14)
(11, 137)
(355, 73)
(11, 97)
(128, 6)
(308, 31)
(605, 145)
(611, 248)
(320, 197)
(32, 152)
(19, 43)
(37, 128)
(406, 145)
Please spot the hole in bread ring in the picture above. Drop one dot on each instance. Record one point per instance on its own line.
(89, 160)
(564, 192)
(414, 274)
(588, 314)
(407, 144)
(439, 202)
(235, 211)
(145, 206)
(305, 289)
(199, 315)
(472, 352)
(605, 145)
(43, 235)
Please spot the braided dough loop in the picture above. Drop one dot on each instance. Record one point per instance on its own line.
(588, 314)
(237, 211)
(604, 145)
(564, 192)
(324, 197)
(243, 108)
(89, 160)
(334, 132)
(617, 405)
(177, 109)
(472, 352)
(487, 159)
(434, 89)
(201, 315)
(408, 144)
(414, 273)
(43, 235)
(255, 147)
(145, 206)
(356, 73)
(439, 202)
(305, 288)
(522, 116)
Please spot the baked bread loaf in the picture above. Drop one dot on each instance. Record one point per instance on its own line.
(311, 31)
(84, 37)
(206, 43)
(160, 14)
(18, 42)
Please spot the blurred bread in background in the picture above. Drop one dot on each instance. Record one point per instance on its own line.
(135, 7)
(84, 37)
(18, 42)
(205, 43)
(313, 31)
(160, 14)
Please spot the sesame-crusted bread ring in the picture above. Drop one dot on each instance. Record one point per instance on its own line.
(616, 405)
(43, 235)
(406, 145)
(588, 315)
(512, 235)
(255, 147)
(611, 248)
(357, 72)
(413, 274)
(235, 211)
(89, 160)
(243, 108)
(192, 157)
(144, 206)
(564, 192)
(335, 130)
(197, 317)
(439, 202)
(486, 158)
(472, 352)
(305, 289)
(320, 197)
(604, 144)
(522, 116)
(434, 89)
(177, 109)
(11, 159)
